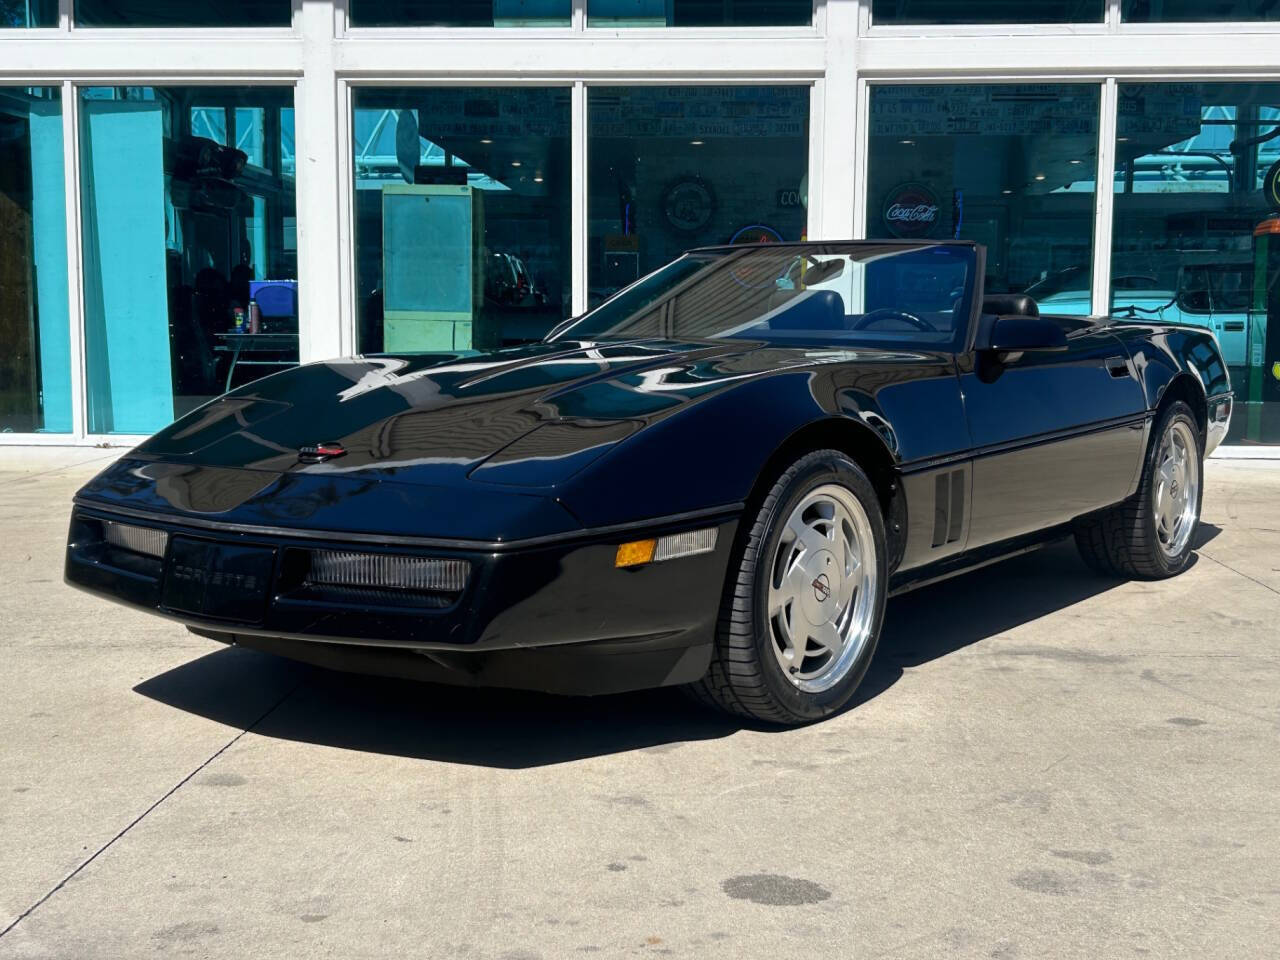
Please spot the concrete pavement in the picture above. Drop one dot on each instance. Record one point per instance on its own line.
(1042, 764)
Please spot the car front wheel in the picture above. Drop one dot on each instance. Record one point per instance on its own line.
(805, 601)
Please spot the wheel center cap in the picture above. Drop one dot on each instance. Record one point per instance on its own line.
(818, 600)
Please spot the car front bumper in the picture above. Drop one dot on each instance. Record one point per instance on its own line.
(554, 614)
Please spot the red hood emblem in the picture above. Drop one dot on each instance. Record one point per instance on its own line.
(320, 452)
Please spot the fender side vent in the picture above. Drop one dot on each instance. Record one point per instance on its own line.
(948, 507)
(941, 506)
(956, 523)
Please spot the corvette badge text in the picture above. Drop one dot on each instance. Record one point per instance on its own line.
(247, 582)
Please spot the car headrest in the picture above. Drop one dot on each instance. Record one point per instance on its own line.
(1010, 304)
(812, 310)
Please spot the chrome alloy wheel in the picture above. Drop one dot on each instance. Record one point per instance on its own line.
(1176, 491)
(822, 589)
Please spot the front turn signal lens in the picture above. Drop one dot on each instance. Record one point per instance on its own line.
(691, 543)
(635, 554)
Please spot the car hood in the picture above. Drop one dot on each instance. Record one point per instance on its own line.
(486, 440)
(440, 416)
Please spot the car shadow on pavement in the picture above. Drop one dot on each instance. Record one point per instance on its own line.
(513, 729)
(483, 727)
(1205, 532)
(934, 621)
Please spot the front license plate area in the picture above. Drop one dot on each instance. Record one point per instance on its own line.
(220, 580)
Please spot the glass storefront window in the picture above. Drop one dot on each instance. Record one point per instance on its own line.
(885, 12)
(1222, 11)
(671, 168)
(699, 13)
(190, 254)
(191, 13)
(28, 13)
(1197, 227)
(462, 216)
(461, 13)
(1010, 166)
(35, 364)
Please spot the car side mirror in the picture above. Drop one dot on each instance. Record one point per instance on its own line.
(1020, 334)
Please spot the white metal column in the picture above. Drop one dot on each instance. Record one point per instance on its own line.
(1112, 15)
(812, 197)
(75, 254)
(1104, 200)
(834, 168)
(319, 112)
(578, 197)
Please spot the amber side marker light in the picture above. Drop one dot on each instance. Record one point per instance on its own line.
(635, 554)
(671, 547)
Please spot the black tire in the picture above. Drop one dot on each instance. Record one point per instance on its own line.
(1123, 541)
(745, 677)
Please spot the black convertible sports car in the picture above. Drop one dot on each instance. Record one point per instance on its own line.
(715, 479)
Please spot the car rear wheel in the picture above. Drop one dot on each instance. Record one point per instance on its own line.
(1150, 535)
(805, 601)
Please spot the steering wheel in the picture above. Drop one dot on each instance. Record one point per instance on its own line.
(889, 313)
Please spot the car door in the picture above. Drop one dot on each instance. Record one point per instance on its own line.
(1055, 434)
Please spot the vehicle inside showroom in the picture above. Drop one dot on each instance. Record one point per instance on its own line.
(195, 196)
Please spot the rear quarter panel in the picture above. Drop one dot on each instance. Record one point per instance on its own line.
(1161, 351)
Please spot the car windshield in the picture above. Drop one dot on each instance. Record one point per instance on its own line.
(869, 293)
(1216, 288)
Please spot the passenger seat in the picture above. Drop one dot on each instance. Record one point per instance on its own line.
(812, 310)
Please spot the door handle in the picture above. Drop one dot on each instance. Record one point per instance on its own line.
(1118, 367)
(1233, 326)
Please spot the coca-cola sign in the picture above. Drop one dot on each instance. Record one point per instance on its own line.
(911, 210)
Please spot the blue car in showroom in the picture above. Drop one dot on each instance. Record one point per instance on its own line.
(1212, 294)
(714, 479)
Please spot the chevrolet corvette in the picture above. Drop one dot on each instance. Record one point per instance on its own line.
(714, 479)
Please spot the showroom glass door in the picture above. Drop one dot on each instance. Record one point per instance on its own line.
(1010, 166)
(1196, 235)
(189, 238)
(675, 167)
(462, 216)
(35, 363)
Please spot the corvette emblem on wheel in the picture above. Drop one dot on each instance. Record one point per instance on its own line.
(821, 588)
